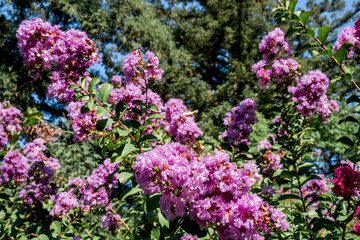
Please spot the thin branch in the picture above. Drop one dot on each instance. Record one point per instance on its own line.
(111, 113)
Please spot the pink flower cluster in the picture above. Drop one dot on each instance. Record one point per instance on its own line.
(357, 224)
(33, 168)
(87, 193)
(209, 188)
(310, 93)
(134, 63)
(82, 124)
(180, 122)
(275, 62)
(67, 54)
(348, 34)
(10, 119)
(238, 122)
(315, 188)
(346, 181)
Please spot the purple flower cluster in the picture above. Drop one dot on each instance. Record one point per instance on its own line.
(88, 193)
(357, 224)
(315, 187)
(180, 122)
(238, 122)
(209, 188)
(36, 38)
(133, 63)
(275, 62)
(348, 34)
(40, 173)
(14, 167)
(132, 92)
(110, 221)
(189, 237)
(116, 79)
(274, 44)
(10, 119)
(265, 144)
(34, 169)
(82, 124)
(271, 162)
(310, 93)
(268, 190)
(68, 54)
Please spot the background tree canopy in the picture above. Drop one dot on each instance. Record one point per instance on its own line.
(206, 49)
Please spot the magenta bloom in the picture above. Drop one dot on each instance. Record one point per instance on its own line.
(68, 54)
(310, 93)
(10, 120)
(274, 45)
(348, 34)
(180, 123)
(238, 122)
(346, 181)
(14, 167)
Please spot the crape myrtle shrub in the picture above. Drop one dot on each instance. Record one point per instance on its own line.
(156, 179)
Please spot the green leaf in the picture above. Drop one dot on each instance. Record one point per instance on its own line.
(153, 202)
(154, 108)
(305, 16)
(291, 31)
(346, 76)
(306, 46)
(56, 226)
(192, 227)
(322, 223)
(130, 192)
(121, 132)
(349, 119)
(288, 196)
(101, 124)
(346, 140)
(162, 220)
(101, 112)
(149, 137)
(125, 177)
(352, 99)
(155, 116)
(305, 167)
(95, 81)
(73, 86)
(292, 5)
(349, 69)
(91, 105)
(323, 33)
(330, 46)
(105, 92)
(125, 149)
(136, 111)
(326, 52)
(83, 82)
(139, 103)
(155, 233)
(43, 237)
(84, 109)
(343, 51)
(120, 108)
(309, 31)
